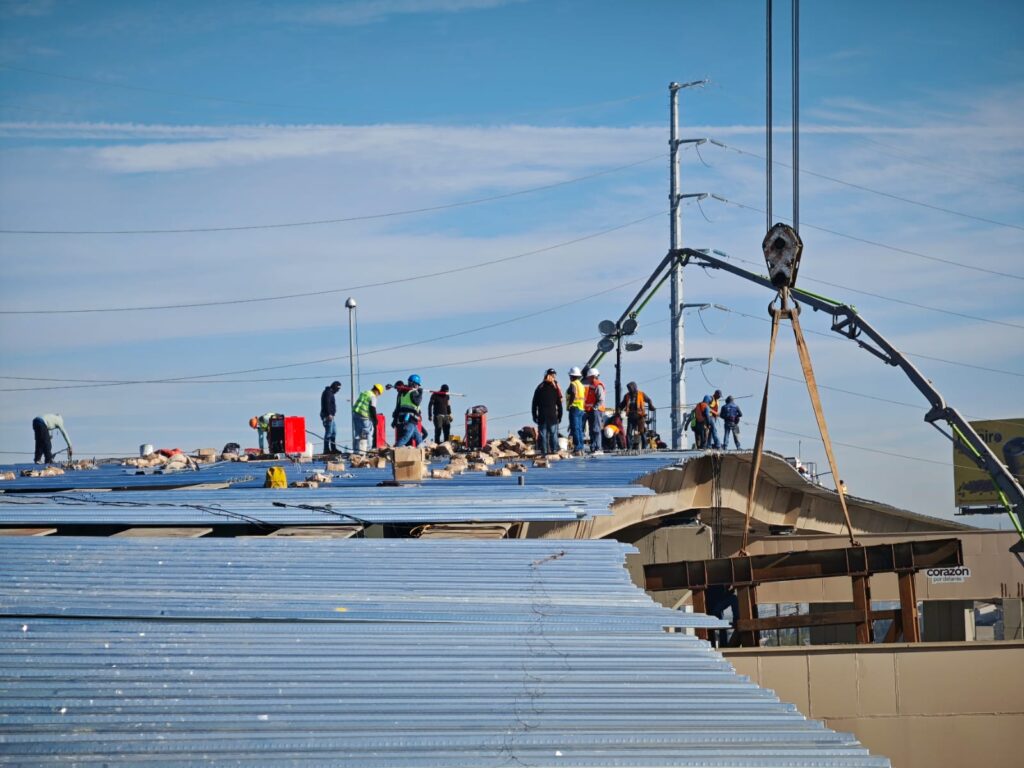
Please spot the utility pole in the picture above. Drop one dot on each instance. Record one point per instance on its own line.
(350, 304)
(678, 377)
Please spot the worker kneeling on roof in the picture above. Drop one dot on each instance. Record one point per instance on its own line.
(364, 417)
(407, 411)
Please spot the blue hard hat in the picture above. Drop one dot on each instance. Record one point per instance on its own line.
(415, 379)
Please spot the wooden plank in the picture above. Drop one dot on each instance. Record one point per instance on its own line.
(749, 638)
(316, 532)
(165, 533)
(27, 531)
(700, 605)
(862, 605)
(830, 618)
(908, 608)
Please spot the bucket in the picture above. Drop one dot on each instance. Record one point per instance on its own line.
(362, 445)
(145, 449)
(563, 443)
(308, 453)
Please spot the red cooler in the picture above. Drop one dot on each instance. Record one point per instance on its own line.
(287, 434)
(476, 428)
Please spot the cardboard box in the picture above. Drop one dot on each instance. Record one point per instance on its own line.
(409, 466)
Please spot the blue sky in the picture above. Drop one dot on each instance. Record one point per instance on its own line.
(156, 116)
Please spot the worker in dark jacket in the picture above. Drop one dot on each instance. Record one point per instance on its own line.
(547, 412)
(439, 411)
(636, 404)
(328, 410)
(731, 415)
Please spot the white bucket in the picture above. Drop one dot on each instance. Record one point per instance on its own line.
(308, 453)
(145, 449)
(563, 443)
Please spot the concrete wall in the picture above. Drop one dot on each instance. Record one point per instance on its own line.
(928, 705)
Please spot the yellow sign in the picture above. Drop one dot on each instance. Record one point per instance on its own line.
(973, 486)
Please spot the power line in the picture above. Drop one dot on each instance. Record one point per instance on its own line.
(874, 191)
(951, 170)
(834, 337)
(341, 220)
(186, 379)
(878, 244)
(346, 289)
(817, 438)
(451, 364)
(891, 298)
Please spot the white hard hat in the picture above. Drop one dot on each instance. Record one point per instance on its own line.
(575, 371)
(594, 372)
(609, 432)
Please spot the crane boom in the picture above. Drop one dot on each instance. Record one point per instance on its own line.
(849, 323)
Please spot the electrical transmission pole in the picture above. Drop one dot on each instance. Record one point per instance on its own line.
(676, 278)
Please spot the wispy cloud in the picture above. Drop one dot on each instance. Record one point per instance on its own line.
(373, 11)
(13, 8)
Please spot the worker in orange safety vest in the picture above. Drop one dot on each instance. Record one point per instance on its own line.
(594, 407)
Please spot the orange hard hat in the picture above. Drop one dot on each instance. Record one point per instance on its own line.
(254, 422)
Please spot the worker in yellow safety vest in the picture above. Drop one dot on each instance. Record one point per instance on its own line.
(576, 404)
(262, 426)
(364, 417)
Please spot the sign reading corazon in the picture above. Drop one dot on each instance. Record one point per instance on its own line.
(972, 486)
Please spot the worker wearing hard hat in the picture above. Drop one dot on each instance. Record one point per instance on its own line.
(262, 426)
(42, 426)
(364, 417)
(407, 411)
(576, 403)
(595, 408)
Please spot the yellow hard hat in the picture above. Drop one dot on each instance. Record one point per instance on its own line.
(253, 422)
(379, 389)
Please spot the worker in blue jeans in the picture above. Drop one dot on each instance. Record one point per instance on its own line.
(576, 402)
(328, 410)
(731, 415)
(407, 411)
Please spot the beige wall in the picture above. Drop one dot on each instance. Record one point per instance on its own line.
(927, 705)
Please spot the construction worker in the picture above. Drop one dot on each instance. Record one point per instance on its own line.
(547, 412)
(364, 416)
(407, 411)
(595, 408)
(614, 436)
(262, 426)
(328, 410)
(701, 420)
(636, 404)
(42, 426)
(713, 411)
(576, 403)
(439, 411)
(731, 415)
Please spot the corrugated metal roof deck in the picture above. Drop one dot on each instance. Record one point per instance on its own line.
(369, 653)
(567, 490)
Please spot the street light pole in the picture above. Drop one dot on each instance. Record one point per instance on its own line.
(350, 304)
